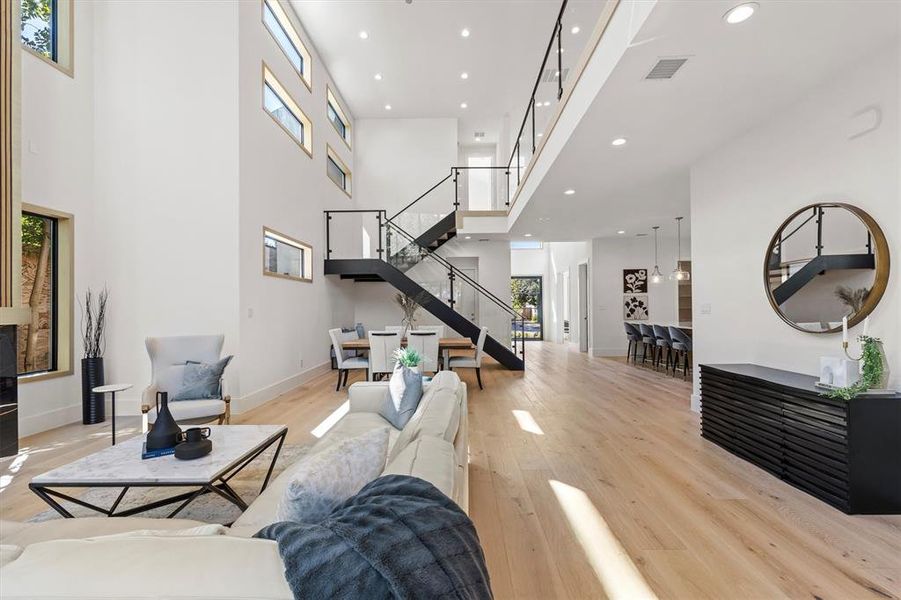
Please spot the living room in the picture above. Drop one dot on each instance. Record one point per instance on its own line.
(401, 171)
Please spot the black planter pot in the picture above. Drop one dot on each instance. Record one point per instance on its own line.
(93, 407)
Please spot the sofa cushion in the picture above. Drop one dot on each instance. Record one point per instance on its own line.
(403, 396)
(24, 534)
(438, 414)
(9, 553)
(148, 567)
(324, 480)
(428, 458)
(202, 380)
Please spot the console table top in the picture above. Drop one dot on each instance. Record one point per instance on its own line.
(778, 376)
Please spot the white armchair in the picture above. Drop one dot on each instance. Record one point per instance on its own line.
(168, 356)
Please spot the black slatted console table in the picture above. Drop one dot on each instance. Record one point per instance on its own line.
(847, 454)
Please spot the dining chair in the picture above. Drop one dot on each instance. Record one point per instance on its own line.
(382, 345)
(345, 360)
(425, 342)
(681, 344)
(471, 362)
(398, 328)
(647, 339)
(633, 334)
(439, 329)
(664, 347)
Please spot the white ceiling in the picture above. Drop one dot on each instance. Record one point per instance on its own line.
(736, 76)
(420, 53)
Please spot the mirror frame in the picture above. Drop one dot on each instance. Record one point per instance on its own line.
(881, 256)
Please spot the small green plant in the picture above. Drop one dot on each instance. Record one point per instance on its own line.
(408, 357)
(871, 371)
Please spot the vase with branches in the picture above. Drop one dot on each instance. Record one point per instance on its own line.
(409, 305)
(93, 340)
(852, 298)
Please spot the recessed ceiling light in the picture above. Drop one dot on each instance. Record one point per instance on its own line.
(547, 102)
(569, 192)
(387, 107)
(378, 76)
(618, 142)
(463, 105)
(527, 234)
(740, 13)
(364, 35)
(468, 237)
(575, 30)
(540, 134)
(465, 33)
(621, 232)
(464, 75)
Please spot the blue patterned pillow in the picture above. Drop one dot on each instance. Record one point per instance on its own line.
(201, 380)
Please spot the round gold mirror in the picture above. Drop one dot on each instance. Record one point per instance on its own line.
(826, 262)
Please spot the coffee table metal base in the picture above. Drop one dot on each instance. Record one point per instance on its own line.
(220, 487)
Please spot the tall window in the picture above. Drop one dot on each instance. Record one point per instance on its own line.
(286, 257)
(337, 171)
(279, 25)
(337, 117)
(285, 111)
(38, 340)
(526, 294)
(46, 31)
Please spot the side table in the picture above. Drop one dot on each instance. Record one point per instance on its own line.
(112, 389)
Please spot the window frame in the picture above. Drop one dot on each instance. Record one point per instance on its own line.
(281, 16)
(269, 79)
(62, 293)
(306, 249)
(331, 155)
(332, 102)
(540, 309)
(62, 51)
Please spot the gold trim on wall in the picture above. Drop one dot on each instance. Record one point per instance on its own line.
(348, 176)
(282, 16)
(342, 114)
(65, 62)
(291, 104)
(307, 258)
(9, 152)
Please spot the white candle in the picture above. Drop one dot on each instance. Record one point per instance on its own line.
(866, 327)
(844, 330)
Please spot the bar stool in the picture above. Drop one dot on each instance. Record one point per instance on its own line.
(681, 343)
(647, 339)
(634, 337)
(664, 347)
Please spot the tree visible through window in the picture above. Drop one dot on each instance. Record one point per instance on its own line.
(525, 295)
(36, 350)
(39, 26)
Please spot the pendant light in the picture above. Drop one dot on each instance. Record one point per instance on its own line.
(656, 275)
(678, 273)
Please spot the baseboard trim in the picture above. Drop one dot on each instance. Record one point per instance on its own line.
(271, 392)
(605, 352)
(696, 403)
(47, 420)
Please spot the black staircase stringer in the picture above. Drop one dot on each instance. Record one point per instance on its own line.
(439, 233)
(821, 264)
(373, 267)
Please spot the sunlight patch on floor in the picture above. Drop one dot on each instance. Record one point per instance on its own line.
(329, 422)
(527, 422)
(611, 563)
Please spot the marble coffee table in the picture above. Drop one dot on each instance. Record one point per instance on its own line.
(234, 447)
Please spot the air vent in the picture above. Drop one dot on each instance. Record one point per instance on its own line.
(479, 134)
(666, 68)
(550, 75)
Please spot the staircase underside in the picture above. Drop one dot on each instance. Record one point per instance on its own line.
(373, 269)
(818, 265)
(440, 233)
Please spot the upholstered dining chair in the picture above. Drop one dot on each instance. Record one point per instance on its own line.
(398, 328)
(345, 360)
(168, 357)
(471, 362)
(633, 334)
(382, 345)
(683, 346)
(439, 329)
(647, 339)
(425, 342)
(664, 348)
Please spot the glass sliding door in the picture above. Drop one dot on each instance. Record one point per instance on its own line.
(527, 293)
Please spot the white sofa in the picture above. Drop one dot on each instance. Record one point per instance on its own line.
(137, 557)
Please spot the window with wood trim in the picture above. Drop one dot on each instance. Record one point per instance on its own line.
(283, 31)
(285, 111)
(337, 117)
(337, 171)
(286, 257)
(47, 32)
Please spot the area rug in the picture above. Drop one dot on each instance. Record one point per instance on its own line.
(209, 508)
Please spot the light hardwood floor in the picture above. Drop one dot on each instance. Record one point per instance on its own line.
(588, 480)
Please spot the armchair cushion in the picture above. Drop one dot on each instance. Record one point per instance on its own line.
(183, 410)
(201, 380)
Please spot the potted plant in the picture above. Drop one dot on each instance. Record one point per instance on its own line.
(410, 358)
(874, 371)
(93, 338)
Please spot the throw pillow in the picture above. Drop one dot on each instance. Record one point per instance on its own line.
(201, 380)
(403, 396)
(327, 478)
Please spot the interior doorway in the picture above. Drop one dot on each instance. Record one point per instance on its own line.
(583, 307)
(480, 181)
(527, 293)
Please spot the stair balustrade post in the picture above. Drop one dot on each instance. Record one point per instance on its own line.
(456, 189)
(559, 61)
(380, 249)
(328, 231)
(451, 277)
(507, 173)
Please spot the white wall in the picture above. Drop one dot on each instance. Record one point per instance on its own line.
(742, 192)
(57, 172)
(609, 257)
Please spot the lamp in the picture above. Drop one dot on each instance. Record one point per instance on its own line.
(679, 274)
(656, 275)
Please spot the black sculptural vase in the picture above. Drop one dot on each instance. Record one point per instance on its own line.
(165, 432)
(93, 406)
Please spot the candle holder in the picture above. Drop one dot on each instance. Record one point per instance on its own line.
(848, 354)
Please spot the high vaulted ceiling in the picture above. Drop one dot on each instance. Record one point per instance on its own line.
(420, 53)
(737, 76)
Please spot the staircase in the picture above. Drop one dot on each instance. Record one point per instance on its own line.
(402, 257)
